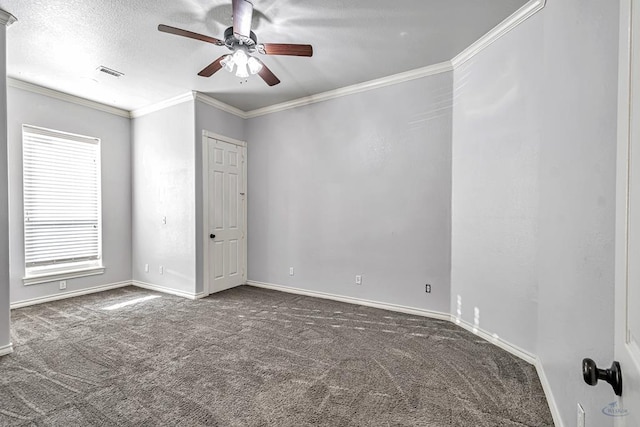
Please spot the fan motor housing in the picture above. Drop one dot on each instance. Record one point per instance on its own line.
(232, 42)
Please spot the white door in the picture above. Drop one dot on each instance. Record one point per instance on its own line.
(626, 409)
(226, 214)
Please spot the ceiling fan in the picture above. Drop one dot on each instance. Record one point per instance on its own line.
(242, 42)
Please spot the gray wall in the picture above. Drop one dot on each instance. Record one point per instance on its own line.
(213, 120)
(163, 186)
(534, 148)
(505, 198)
(168, 182)
(5, 314)
(114, 131)
(496, 138)
(356, 185)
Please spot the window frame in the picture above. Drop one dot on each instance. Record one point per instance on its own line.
(64, 270)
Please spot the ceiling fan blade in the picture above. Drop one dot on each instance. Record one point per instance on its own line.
(189, 34)
(286, 49)
(212, 68)
(267, 75)
(242, 15)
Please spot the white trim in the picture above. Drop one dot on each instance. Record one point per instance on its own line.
(627, 202)
(31, 87)
(208, 100)
(205, 205)
(419, 73)
(70, 294)
(491, 338)
(7, 19)
(209, 134)
(69, 274)
(517, 18)
(165, 290)
(7, 349)
(58, 133)
(546, 387)
(496, 340)
(350, 300)
(516, 351)
(245, 240)
(176, 100)
(205, 213)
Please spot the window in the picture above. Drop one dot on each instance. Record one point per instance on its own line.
(62, 205)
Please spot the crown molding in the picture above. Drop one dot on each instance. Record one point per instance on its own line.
(6, 18)
(406, 76)
(517, 18)
(185, 97)
(312, 99)
(208, 100)
(62, 96)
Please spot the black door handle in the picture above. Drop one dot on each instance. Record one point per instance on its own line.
(613, 375)
(213, 236)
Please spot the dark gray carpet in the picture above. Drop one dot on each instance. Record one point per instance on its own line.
(252, 357)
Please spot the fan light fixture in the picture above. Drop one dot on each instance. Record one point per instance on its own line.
(242, 42)
(244, 64)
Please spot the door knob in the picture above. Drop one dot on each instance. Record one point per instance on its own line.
(613, 375)
(213, 236)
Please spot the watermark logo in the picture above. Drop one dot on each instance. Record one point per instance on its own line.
(614, 410)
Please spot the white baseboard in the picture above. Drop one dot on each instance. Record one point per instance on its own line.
(7, 349)
(553, 407)
(491, 338)
(496, 340)
(70, 294)
(102, 288)
(351, 300)
(166, 290)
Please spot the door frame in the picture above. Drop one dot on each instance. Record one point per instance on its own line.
(624, 181)
(205, 204)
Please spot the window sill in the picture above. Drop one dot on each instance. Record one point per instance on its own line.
(62, 275)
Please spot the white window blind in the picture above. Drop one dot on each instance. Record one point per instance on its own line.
(62, 200)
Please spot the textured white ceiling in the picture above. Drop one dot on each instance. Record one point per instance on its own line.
(60, 43)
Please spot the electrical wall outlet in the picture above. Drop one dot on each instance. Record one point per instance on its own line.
(63, 284)
(164, 220)
(580, 422)
(358, 280)
(161, 270)
(290, 271)
(146, 268)
(427, 288)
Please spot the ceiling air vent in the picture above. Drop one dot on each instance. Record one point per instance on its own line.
(109, 71)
